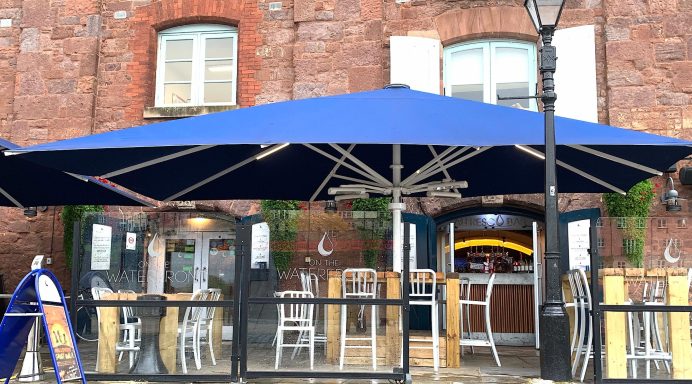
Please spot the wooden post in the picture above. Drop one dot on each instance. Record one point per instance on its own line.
(109, 320)
(615, 328)
(168, 333)
(392, 328)
(453, 350)
(679, 328)
(333, 317)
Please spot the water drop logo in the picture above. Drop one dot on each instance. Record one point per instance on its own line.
(320, 246)
(667, 253)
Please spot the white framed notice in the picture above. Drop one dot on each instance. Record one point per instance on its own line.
(101, 247)
(259, 252)
(131, 241)
(578, 240)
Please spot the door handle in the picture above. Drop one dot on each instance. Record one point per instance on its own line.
(196, 272)
(204, 274)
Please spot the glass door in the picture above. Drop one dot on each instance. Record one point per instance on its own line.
(218, 270)
(183, 264)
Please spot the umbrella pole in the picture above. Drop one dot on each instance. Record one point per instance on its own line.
(396, 206)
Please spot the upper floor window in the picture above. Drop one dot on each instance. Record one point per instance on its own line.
(482, 70)
(197, 65)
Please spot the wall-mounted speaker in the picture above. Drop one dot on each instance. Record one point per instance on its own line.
(686, 175)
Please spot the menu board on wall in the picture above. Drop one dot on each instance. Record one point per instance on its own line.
(101, 248)
(260, 245)
(578, 240)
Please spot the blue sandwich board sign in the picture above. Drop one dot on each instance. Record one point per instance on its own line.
(39, 295)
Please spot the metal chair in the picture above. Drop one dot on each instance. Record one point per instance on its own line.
(310, 282)
(295, 317)
(130, 321)
(189, 328)
(644, 336)
(582, 327)
(359, 283)
(206, 324)
(465, 291)
(423, 291)
(488, 331)
(130, 331)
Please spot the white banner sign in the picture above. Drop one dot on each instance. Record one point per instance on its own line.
(101, 248)
(260, 245)
(412, 257)
(131, 241)
(578, 240)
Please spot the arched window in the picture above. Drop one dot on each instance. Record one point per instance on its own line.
(197, 65)
(481, 70)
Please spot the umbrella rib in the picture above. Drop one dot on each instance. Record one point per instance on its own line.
(361, 164)
(226, 171)
(433, 171)
(434, 161)
(439, 164)
(157, 161)
(10, 198)
(585, 175)
(616, 159)
(360, 181)
(590, 177)
(347, 165)
(331, 174)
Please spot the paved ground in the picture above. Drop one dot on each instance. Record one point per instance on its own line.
(519, 365)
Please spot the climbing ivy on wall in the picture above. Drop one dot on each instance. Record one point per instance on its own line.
(282, 218)
(372, 234)
(69, 215)
(633, 208)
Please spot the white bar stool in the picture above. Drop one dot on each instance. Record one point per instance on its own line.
(488, 331)
(465, 292)
(359, 283)
(311, 283)
(296, 317)
(423, 291)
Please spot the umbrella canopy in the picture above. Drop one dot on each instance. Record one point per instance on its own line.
(26, 184)
(378, 142)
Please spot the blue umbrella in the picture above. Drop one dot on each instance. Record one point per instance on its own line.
(442, 143)
(26, 184)
(395, 142)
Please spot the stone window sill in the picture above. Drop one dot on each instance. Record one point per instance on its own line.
(174, 112)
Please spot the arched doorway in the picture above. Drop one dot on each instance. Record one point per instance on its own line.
(507, 240)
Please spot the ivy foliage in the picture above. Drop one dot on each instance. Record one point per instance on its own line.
(70, 215)
(282, 218)
(379, 204)
(633, 208)
(371, 230)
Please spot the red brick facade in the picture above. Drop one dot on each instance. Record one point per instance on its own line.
(72, 68)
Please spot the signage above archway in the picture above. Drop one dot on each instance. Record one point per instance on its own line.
(493, 221)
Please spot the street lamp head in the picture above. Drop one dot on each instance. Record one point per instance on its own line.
(544, 13)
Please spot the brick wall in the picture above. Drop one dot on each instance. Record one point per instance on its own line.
(70, 68)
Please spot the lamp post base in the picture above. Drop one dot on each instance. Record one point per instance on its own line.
(556, 362)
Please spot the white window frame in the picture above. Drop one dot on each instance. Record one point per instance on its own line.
(198, 33)
(489, 48)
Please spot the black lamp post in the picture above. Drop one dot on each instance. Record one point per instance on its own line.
(554, 323)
